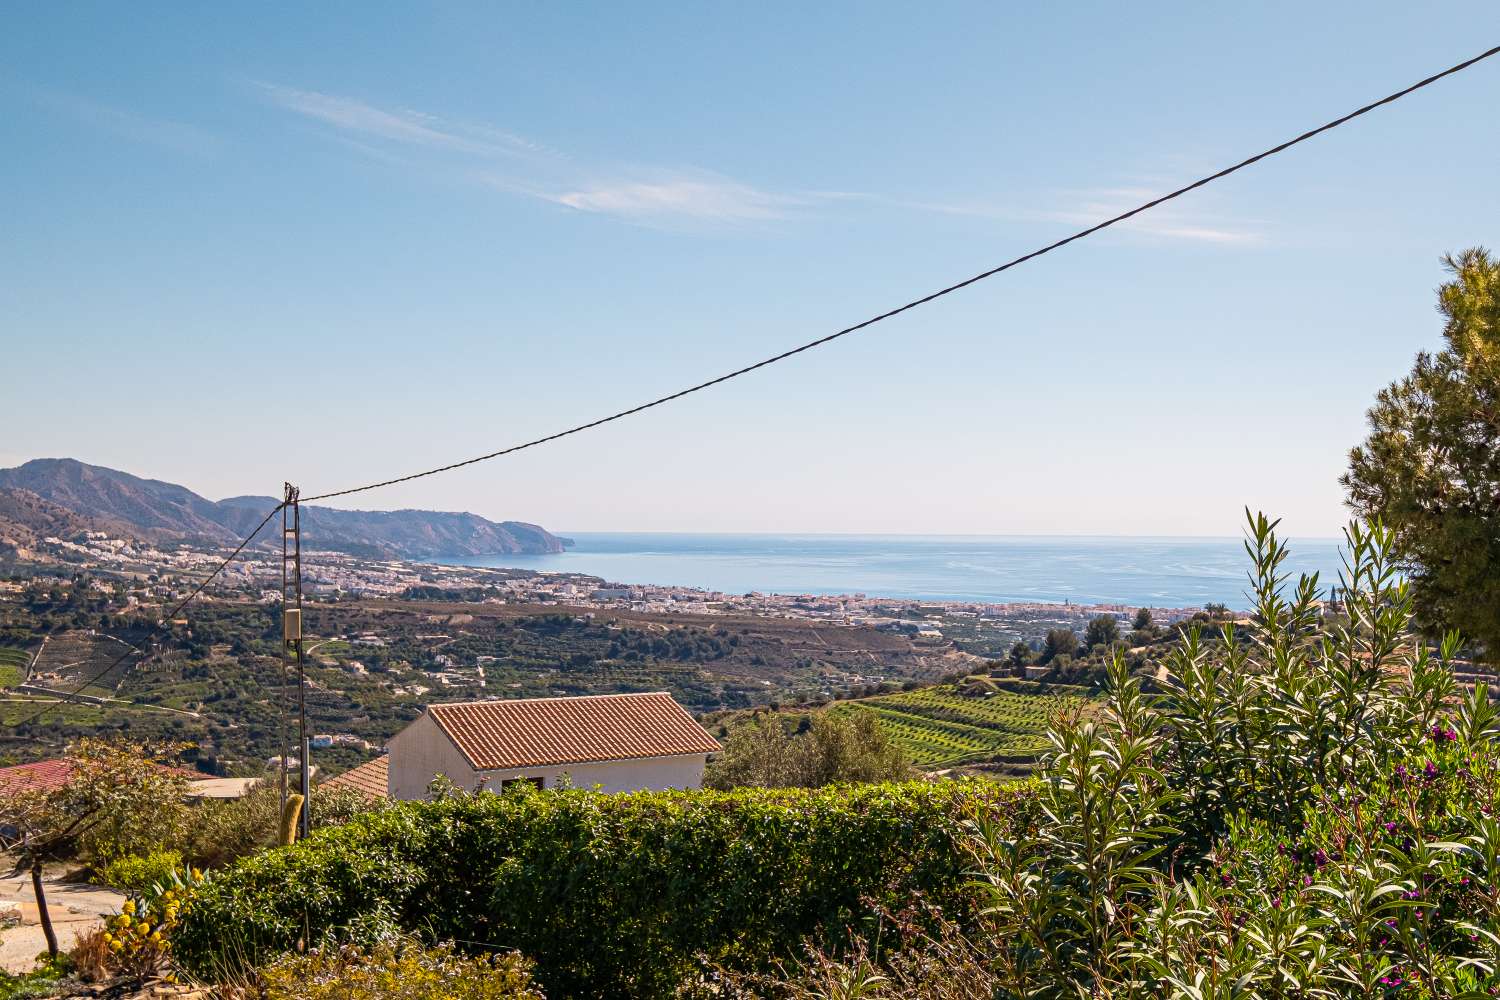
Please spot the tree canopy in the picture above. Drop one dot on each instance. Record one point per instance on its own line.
(1430, 467)
(1059, 642)
(831, 749)
(1102, 631)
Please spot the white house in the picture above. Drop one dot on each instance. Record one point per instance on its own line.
(618, 742)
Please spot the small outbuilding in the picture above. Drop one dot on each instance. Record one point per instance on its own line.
(615, 742)
(371, 779)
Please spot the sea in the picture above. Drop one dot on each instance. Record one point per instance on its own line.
(1156, 572)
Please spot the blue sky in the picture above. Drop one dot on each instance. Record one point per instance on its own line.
(345, 243)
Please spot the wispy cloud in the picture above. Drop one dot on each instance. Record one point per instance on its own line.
(508, 162)
(677, 196)
(698, 195)
(163, 133)
(397, 125)
(1187, 220)
(1191, 220)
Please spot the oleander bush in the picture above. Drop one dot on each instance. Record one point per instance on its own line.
(1311, 813)
(610, 895)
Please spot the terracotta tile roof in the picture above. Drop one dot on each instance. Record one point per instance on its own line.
(535, 732)
(43, 775)
(49, 775)
(370, 779)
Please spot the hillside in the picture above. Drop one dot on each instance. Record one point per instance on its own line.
(26, 518)
(373, 664)
(976, 722)
(165, 512)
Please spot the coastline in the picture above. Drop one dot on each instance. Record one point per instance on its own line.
(1012, 571)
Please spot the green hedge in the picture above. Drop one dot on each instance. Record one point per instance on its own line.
(611, 895)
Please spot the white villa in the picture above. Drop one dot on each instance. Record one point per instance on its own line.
(618, 742)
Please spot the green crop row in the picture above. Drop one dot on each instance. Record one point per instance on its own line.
(943, 726)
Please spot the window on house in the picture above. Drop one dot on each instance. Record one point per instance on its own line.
(537, 781)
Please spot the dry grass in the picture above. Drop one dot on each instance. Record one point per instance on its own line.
(91, 958)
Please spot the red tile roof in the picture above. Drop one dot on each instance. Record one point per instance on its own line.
(369, 779)
(536, 732)
(50, 775)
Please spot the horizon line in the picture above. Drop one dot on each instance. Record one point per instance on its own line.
(564, 533)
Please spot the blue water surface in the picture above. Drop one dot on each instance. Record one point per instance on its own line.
(1161, 572)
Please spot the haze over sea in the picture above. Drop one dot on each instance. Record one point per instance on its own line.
(1161, 572)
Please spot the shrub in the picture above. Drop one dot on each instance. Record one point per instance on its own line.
(918, 955)
(398, 971)
(225, 831)
(612, 895)
(139, 937)
(830, 749)
(1306, 814)
(136, 873)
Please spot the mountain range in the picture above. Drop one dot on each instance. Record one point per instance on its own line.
(61, 496)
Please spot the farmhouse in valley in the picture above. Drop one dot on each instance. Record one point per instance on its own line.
(617, 742)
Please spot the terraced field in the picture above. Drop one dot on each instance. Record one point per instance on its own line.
(72, 658)
(13, 667)
(978, 720)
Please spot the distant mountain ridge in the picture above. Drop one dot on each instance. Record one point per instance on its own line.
(161, 511)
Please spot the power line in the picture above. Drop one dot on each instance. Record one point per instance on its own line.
(1081, 234)
(168, 616)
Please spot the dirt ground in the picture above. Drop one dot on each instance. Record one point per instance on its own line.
(74, 909)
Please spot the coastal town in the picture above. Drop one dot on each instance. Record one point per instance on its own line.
(173, 568)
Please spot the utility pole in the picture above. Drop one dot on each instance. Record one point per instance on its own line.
(291, 615)
(286, 674)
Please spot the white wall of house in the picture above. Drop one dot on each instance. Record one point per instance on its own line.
(421, 752)
(647, 773)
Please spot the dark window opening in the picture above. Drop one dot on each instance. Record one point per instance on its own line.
(538, 781)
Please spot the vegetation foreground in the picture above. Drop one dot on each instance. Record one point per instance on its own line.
(1305, 810)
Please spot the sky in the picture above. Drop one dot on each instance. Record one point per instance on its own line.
(343, 242)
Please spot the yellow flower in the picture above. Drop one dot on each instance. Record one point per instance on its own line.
(128, 906)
